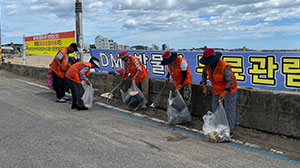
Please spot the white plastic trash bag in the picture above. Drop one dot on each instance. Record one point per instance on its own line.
(177, 110)
(216, 125)
(134, 97)
(87, 97)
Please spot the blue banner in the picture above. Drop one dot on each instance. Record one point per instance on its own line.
(266, 70)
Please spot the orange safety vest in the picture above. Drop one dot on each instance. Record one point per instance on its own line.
(133, 70)
(63, 62)
(73, 72)
(217, 79)
(176, 73)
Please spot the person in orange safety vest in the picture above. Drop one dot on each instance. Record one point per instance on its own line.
(224, 84)
(179, 70)
(77, 73)
(137, 70)
(59, 66)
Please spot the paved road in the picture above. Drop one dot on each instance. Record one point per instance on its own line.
(37, 132)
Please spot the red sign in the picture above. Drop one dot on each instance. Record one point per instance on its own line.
(51, 36)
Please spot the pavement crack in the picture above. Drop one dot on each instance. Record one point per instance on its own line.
(151, 145)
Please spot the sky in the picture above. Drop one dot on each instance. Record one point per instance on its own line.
(229, 24)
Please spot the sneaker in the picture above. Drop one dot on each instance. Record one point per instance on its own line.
(74, 106)
(66, 98)
(82, 108)
(62, 100)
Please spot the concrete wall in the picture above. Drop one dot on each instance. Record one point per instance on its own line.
(29, 71)
(272, 111)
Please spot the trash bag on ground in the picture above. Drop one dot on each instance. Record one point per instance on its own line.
(88, 95)
(134, 97)
(216, 125)
(177, 110)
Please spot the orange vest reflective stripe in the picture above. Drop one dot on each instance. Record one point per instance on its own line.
(63, 62)
(133, 70)
(73, 72)
(176, 73)
(217, 80)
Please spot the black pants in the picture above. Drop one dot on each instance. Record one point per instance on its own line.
(66, 86)
(58, 85)
(77, 92)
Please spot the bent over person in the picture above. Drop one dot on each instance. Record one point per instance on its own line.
(224, 84)
(179, 70)
(59, 67)
(137, 70)
(78, 72)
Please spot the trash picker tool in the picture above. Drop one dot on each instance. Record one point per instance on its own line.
(109, 95)
(153, 105)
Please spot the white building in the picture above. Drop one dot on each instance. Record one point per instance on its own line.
(123, 47)
(155, 47)
(113, 45)
(86, 47)
(105, 43)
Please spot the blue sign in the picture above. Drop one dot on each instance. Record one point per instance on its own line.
(266, 70)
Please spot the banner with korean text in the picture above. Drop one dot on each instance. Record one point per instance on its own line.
(266, 70)
(48, 44)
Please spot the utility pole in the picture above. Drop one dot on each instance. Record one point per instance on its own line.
(1, 57)
(24, 50)
(79, 34)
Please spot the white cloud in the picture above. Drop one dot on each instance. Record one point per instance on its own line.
(95, 5)
(11, 9)
(173, 12)
(64, 8)
(166, 20)
(130, 23)
(38, 7)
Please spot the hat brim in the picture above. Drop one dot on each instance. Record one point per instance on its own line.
(123, 56)
(97, 66)
(96, 63)
(169, 60)
(75, 48)
(212, 59)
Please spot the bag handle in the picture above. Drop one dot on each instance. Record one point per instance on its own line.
(207, 116)
(134, 86)
(178, 93)
(221, 105)
(170, 94)
(209, 113)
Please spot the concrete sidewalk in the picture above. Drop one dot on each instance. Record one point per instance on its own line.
(38, 132)
(248, 137)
